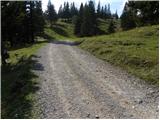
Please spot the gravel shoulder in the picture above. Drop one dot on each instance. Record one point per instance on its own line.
(75, 84)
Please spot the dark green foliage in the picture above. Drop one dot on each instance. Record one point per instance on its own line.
(115, 15)
(86, 23)
(39, 26)
(140, 13)
(66, 14)
(99, 9)
(128, 18)
(148, 11)
(111, 28)
(103, 12)
(21, 22)
(67, 11)
(60, 12)
(77, 25)
(73, 10)
(51, 13)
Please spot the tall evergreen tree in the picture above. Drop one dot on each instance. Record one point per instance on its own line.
(60, 12)
(81, 10)
(99, 9)
(109, 12)
(102, 12)
(73, 10)
(51, 13)
(39, 19)
(128, 18)
(89, 22)
(78, 21)
(112, 26)
(116, 15)
(66, 11)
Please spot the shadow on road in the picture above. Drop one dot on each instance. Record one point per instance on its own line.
(70, 43)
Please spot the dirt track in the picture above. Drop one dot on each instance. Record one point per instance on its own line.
(75, 84)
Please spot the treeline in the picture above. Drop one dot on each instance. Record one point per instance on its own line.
(139, 13)
(21, 21)
(83, 18)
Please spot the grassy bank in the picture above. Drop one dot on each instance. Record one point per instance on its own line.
(60, 31)
(19, 83)
(135, 50)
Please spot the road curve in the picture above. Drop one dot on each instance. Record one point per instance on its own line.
(75, 84)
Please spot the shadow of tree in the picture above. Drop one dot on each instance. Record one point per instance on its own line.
(59, 30)
(60, 25)
(48, 37)
(28, 45)
(18, 87)
(70, 43)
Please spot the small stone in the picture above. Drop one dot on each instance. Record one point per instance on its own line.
(105, 76)
(151, 91)
(133, 107)
(88, 114)
(97, 117)
(139, 101)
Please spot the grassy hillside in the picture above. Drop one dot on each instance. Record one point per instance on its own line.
(63, 30)
(134, 50)
(60, 31)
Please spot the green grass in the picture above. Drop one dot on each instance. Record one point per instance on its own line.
(60, 31)
(104, 24)
(19, 83)
(135, 51)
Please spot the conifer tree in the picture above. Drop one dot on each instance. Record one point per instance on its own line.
(99, 9)
(111, 28)
(73, 10)
(51, 13)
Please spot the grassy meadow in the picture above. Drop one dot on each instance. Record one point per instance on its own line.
(135, 50)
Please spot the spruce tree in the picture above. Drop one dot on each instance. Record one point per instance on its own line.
(99, 10)
(60, 12)
(39, 19)
(111, 28)
(73, 10)
(51, 13)
(128, 18)
(89, 22)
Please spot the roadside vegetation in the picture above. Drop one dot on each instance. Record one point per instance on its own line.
(19, 83)
(135, 50)
(22, 22)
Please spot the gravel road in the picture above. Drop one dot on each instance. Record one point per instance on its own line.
(75, 84)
